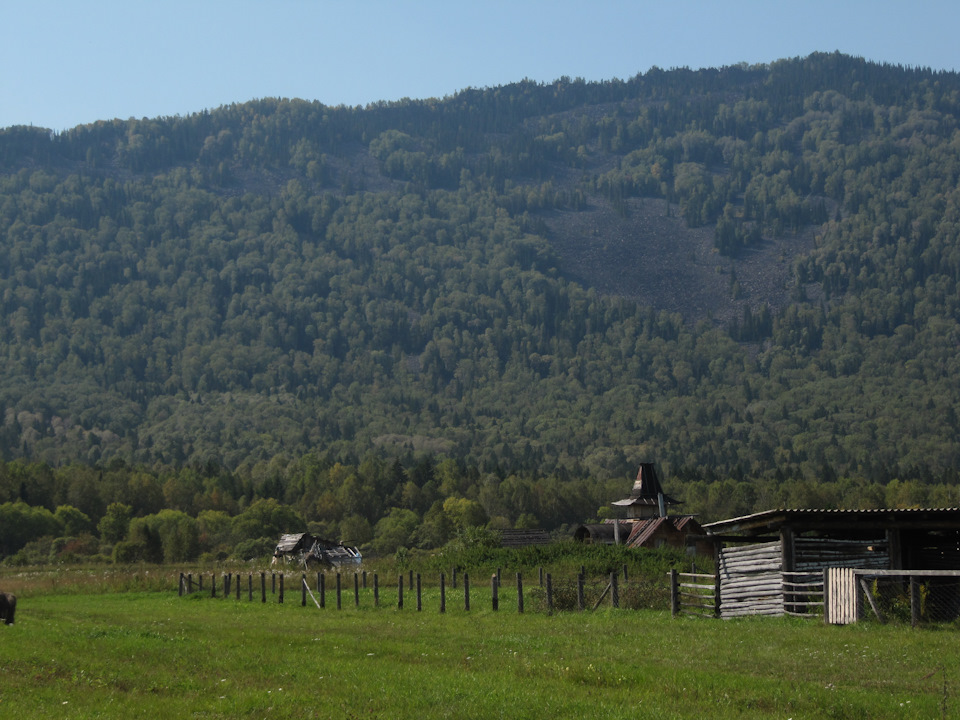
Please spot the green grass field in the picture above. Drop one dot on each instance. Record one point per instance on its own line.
(153, 654)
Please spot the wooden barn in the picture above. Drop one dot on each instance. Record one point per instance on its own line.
(766, 560)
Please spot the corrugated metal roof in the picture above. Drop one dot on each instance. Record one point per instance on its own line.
(772, 520)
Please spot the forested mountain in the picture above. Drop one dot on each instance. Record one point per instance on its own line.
(748, 275)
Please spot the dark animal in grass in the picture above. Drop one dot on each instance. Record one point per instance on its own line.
(8, 605)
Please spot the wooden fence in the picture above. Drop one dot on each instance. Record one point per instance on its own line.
(337, 588)
(694, 594)
(765, 593)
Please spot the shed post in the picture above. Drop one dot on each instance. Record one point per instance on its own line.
(787, 560)
(894, 549)
(716, 594)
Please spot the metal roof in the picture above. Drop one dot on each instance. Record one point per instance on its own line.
(838, 520)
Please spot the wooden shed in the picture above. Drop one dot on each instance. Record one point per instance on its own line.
(306, 549)
(763, 558)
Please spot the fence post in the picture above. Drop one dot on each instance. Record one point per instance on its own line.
(411, 580)
(213, 584)
(263, 587)
(580, 600)
(914, 601)
(238, 586)
(303, 591)
(674, 592)
(826, 596)
(339, 605)
(541, 575)
(625, 578)
(180, 586)
(519, 593)
(443, 593)
(549, 595)
(280, 600)
(614, 592)
(400, 592)
(453, 575)
(466, 592)
(356, 589)
(189, 583)
(494, 595)
(323, 590)
(318, 580)
(419, 597)
(273, 583)
(250, 587)
(200, 581)
(364, 579)
(226, 585)
(376, 590)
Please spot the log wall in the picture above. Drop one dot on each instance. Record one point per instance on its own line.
(753, 578)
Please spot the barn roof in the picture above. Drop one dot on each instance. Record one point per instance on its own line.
(839, 521)
(290, 542)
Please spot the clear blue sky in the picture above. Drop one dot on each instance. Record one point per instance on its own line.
(67, 63)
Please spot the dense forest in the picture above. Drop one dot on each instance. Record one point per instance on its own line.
(396, 322)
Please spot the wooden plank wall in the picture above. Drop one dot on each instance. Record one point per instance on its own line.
(816, 554)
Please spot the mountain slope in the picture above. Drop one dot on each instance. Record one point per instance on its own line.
(745, 271)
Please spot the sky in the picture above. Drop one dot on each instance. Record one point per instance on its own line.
(66, 63)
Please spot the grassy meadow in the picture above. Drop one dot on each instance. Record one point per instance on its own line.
(95, 647)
